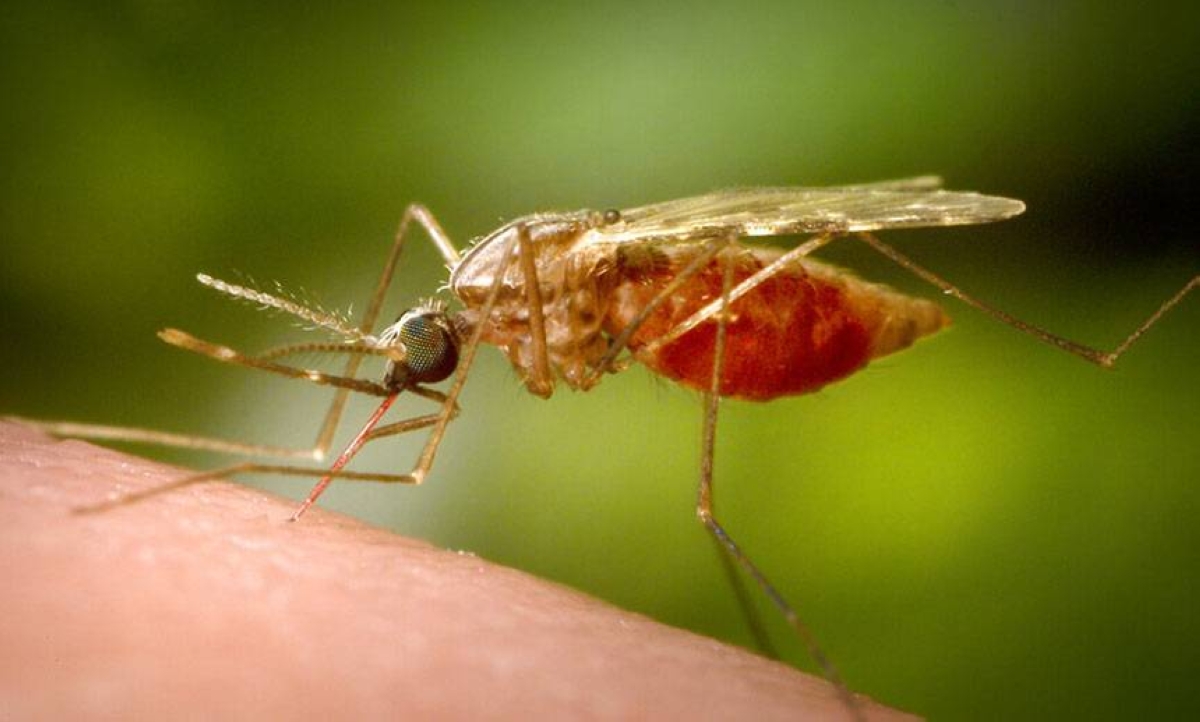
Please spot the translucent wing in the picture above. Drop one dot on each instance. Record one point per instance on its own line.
(909, 203)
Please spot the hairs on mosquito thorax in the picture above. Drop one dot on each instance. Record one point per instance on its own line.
(430, 305)
(318, 317)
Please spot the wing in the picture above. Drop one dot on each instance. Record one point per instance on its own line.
(910, 203)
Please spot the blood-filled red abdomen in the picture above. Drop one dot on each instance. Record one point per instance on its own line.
(800, 329)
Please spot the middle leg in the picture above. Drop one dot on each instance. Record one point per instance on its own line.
(706, 513)
(414, 213)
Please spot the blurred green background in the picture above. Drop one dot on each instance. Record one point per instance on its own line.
(979, 528)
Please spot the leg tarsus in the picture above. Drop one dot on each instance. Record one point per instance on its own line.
(704, 511)
(1110, 358)
(99, 432)
(466, 359)
(226, 472)
(750, 613)
(441, 241)
(740, 290)
(815, 652)
(622, 341)
(1106, 359)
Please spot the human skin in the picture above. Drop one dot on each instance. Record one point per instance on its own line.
(204, 602)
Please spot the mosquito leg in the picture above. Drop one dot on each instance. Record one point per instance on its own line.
(369, 434)
(230, 471)
(345, 383)
(712, 248)
(740, 290)
(227, 355)
(466, 358)
(421, 215)
(1096, 356)
(366, 434)
(399, 427)
(742, 594)
(371, 431)
(449, 406)
(224, 446)
(541, 380)
(347, 454)
(162, 438)
(705, 511)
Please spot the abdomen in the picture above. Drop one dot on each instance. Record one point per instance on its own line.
(802, 328)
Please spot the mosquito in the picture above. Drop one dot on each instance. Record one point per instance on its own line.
(677, 286)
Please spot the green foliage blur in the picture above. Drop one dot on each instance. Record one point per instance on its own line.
(978, 528)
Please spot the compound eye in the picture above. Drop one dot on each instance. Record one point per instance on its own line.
(432, 347)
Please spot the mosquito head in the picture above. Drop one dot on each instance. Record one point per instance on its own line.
(430, 341)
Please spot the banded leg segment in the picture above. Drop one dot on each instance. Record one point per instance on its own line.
(1097, 356)
(345, 382)
(465, 360)
(348, 454)
(438, 421)
(399, 427)
(739, 290)
(619, 344)
(414, 213)
(228, 355)
(101, 432)
(706, 513)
